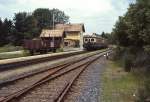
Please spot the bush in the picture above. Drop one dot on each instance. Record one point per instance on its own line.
(125, 57)
(118, 52)
(128, 62)
(144, 93)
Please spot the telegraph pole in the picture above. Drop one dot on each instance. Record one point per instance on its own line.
(53, 21)
(53, 39)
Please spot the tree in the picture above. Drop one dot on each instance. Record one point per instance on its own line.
(7, 30)
(45, 17)
(19, 21)
(1, 34)
(120, 33)
(134, 27)
(103, 34)
(108, 37)
(31, 28)
(25, 27)
(59, 16)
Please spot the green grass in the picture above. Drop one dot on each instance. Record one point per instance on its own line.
(59, 50)
(9, 48)
(16, 55)
(119, 86)
(8, 56)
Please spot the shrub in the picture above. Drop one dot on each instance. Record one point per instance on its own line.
(128, 60)
(144, 93)
(118, 52)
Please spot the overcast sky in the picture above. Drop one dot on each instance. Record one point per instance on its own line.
(97, 15)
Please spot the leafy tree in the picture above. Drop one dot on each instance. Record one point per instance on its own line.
(7, 30)
(45, 17)
(108, 37)
(135, 18)
(59, 16)
(25, 27)
(31, 29)
(1, 34)
(19, 21)
(103, 34)
(134, 27)
(120, 33)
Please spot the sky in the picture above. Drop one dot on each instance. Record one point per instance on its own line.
(97, 15)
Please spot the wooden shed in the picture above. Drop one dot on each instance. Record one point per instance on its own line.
(55, 37)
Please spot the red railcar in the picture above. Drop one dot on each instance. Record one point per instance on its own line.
(41, 45)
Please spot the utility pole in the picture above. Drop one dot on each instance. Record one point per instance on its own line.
(53, 21)
(53, 39)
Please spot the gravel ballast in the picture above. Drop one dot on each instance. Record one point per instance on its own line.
(88, 86)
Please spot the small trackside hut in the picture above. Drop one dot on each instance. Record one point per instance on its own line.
(55, 37)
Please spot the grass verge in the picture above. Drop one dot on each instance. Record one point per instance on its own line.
(9, 48)
(117, 85)
(8, 56)
(14, 55)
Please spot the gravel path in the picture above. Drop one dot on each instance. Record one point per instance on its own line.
(88, 86)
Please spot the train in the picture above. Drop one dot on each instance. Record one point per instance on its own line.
(40, 45)
(45, 44)
(94, 42)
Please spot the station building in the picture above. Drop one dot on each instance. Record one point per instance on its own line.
(74, 34)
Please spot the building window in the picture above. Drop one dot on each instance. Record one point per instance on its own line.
(66, 43)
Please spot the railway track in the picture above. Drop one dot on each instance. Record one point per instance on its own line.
(15, 89)
(9, 64)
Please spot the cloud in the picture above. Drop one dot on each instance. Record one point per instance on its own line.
(98, 15)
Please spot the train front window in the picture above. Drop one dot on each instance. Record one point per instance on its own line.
(86, 40)
(92, 40)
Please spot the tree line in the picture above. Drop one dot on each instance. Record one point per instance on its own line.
(131, 34)
(29, 25)
(133, 29)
